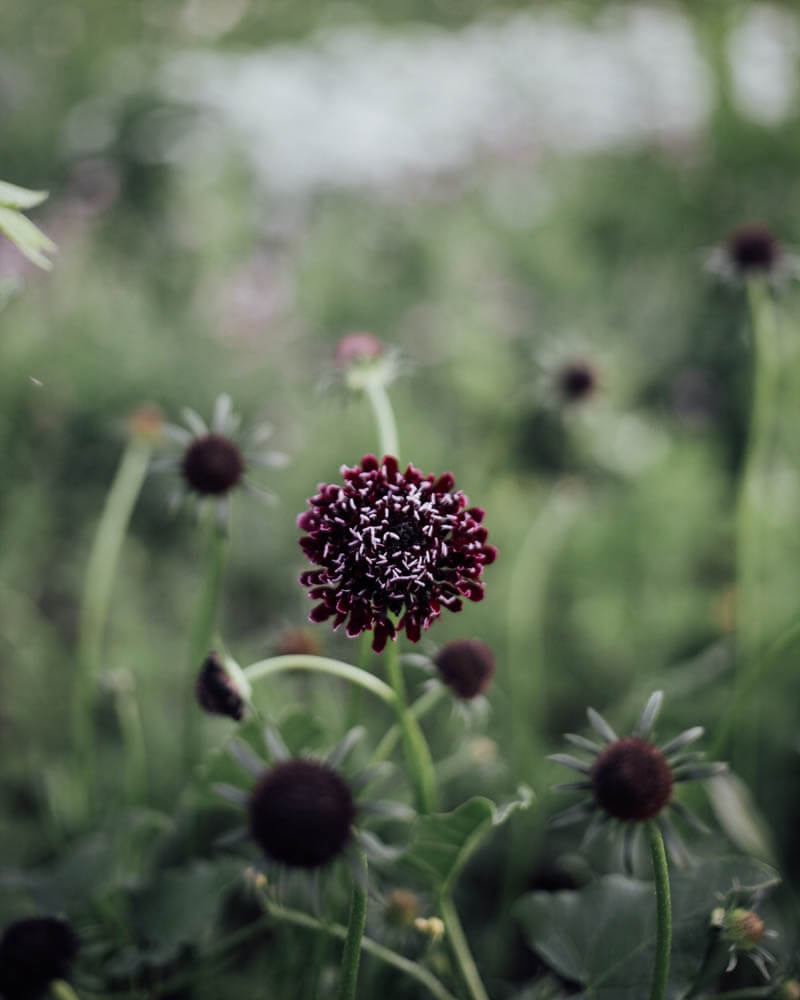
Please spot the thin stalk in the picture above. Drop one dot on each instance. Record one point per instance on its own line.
(418, 710)
(126, 704)
(412, 969)
(460, 949)
(663, 913)
(356, 692)
(415, 748)
(62, 990)
(100, 572)
(384, 417)
(753, 492)
(351, 954)
(204, 628)
(323, 665)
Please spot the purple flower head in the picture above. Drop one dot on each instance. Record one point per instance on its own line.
(391, 543)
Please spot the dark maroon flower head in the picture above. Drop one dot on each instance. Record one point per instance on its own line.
(391, 543)
(216, 691)
(301, 813)
(33, 953)
(466, 666)
(212, 465)
(753, 249)
(577, 380)
(632, 780)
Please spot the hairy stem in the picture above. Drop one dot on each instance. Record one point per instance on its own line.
(323, 665)
(663, 913)
(355, 932)
(417, 754)
(460, 949)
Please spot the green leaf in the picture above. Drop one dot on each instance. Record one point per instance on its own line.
(27, 238)
(739, 816)
(603, 935)
(443, 843)
(13, 196)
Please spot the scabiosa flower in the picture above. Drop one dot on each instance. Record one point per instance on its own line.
(466, 666)
(33, 953)
(753, 251)
(212, 463)
(391, 543)
(216, 691)
(742, 930)
(632, 780)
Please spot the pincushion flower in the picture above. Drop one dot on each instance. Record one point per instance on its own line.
(753, 251)
(631, 781)
(391, 544)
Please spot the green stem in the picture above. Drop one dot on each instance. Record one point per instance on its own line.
(204, 628)
(356, 692)
(322, 664)
(752, 493)
(100, 572)
(62, 990)
(384, 417)
(126, 703)
(412, 969)
(460, 949)
(355, 932)
(418, 757)
(663, 913)
(418, 710)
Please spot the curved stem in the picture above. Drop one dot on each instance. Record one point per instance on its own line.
(418, 710)
(384, 417)
(460, 948)
(324, 665)
(663, 912)
(61, 989)
(417, 754)
(355, 931)
(98, 586)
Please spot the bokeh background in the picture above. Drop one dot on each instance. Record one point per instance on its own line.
(494, 190)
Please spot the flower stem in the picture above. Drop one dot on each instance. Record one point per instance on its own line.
(750, 513)
(62, 990)
(418, 710)
(384, 417)
(417, 754)
(203, 630)
(355, 931)
(324, 665)
(663, 912)
(100, 573)
(460, 948)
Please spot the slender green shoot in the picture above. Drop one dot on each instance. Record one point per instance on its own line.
(351, 954)
(663, 913)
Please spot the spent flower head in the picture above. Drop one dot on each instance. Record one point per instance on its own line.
(753, 251)
(33, 953)
(391, 544)
(631, 780)
(212, 462)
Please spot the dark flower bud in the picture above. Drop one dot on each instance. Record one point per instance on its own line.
(33, 953)
(216, 692)
(577, 380)
(212, 465)
(301, 813)
(467, 666)
(632, 780)
(753, 248)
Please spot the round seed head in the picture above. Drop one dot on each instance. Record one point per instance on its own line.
(632, 780)
(753, 248)
(466, 666)
(577, 381)
(301, 813)
(33, 953)
(212, 465)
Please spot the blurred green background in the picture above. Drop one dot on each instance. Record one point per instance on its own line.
(494, 190)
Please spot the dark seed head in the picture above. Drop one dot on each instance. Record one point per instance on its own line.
(33, 953)
(466, 666)
(577, 381)
(301, 813)
(212, 465)
(753, 249)
(632, 780)
(216, 691)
